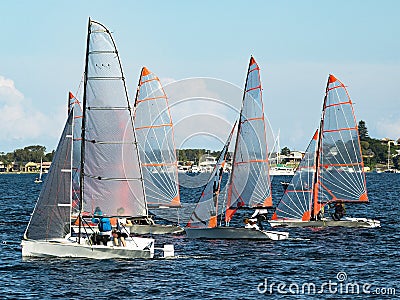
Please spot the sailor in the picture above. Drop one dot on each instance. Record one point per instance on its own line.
(340, 210)
(121, 233)
(260, 215)
(104, 226)
(320, 214)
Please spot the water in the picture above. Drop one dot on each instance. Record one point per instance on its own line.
(212, 269)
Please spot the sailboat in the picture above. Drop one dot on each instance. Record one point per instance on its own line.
(249, 187)
(331, 173)
(39, 179)
(279, 169)
(110, 176)
(155, 136)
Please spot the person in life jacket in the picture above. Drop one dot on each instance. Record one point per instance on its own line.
(104, 226)
(340, 210)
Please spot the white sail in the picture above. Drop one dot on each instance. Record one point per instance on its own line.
(154, 131)
(110, 169)
(250, 184)
(51, 216)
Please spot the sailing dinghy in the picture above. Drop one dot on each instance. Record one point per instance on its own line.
(331, 173)
(39, 179)
(110, 175)
(249, 185)
(155, 136)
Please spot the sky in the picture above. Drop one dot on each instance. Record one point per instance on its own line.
(207, 46)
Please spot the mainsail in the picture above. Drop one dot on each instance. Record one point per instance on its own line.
(340, 174)
(206, 212)
(333, 162)
(155, 136)
(250, 184)
(51, 216)
(110, 169)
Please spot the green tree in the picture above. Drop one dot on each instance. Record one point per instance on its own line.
(49, 156)
(362, 130)
(396, 161)
(29, 153)
(364, 145)
(285, 151)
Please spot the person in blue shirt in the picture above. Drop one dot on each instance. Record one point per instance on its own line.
(104, 226)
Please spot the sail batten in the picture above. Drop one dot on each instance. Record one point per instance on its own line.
(154, 127)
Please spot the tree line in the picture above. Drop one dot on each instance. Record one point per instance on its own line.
(375, 152)
(28, 154)
(194, 155)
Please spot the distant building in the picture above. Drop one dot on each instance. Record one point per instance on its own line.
(30, 167)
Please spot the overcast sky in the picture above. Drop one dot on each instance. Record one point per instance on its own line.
(296, 43)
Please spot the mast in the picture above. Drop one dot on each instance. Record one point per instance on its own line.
(83, 132)
(134, 133)
(318, 154)
(217, 189)
(71, 185)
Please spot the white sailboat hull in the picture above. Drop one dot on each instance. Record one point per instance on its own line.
(345, 222)
(155, 229)
(232, 233)
(65, 248)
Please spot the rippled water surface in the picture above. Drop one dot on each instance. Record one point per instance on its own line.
(213, 269)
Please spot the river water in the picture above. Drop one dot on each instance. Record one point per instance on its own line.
(335, 260)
